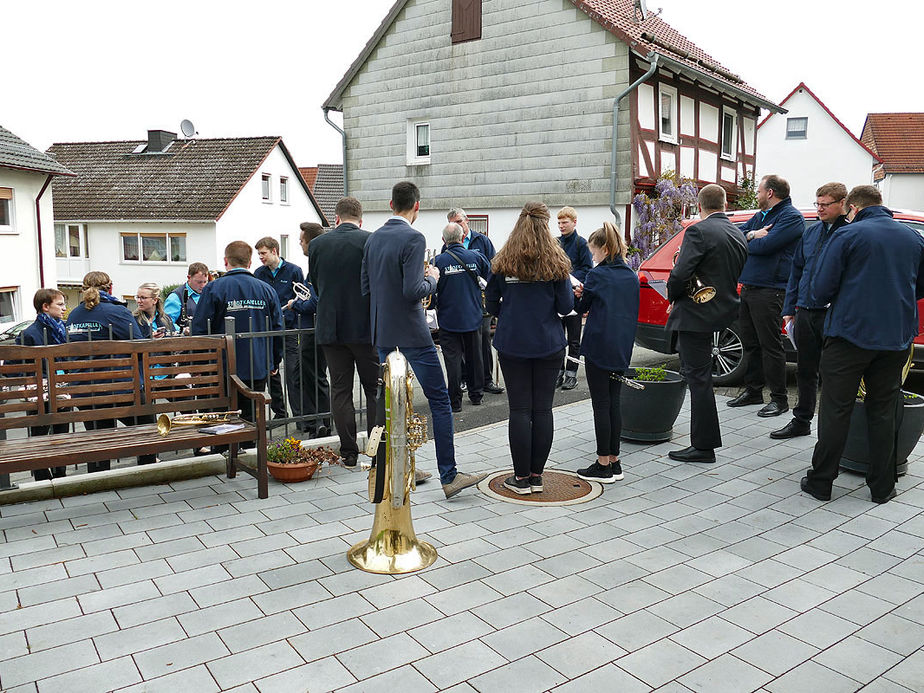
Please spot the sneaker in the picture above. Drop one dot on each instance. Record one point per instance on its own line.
(520, 486)
(560, 379)
(462, 481)
(570, 381)
(616, 467)
(535, 484)
(599, 472)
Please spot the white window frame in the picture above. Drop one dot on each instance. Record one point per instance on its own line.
(14, 305)
(412, 157)
(283, 190)
(729, 152)
(284, 245)
(804, 135)
(11, 213)
(266, 187)
(664, 89)
(141, 261)
(83, 243)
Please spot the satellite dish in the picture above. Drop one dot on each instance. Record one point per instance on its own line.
(187, 128)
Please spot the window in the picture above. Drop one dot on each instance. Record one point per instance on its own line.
(729, 134)
(418, 143)
(71, 240)
(283, 189)
(796, 128)
(266, 187)
(478, 222)
(153, 247)
(284, 245)
(6, 210)
(466, 21)
(667, 112)
(7, 305)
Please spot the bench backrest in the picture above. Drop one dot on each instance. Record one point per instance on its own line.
(131, 378)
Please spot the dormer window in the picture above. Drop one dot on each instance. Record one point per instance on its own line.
(466, 20)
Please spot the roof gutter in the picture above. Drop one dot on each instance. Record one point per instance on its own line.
(38, 225)
(343, 140)
(653, 58)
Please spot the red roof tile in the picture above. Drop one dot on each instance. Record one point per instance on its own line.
(898, 139)
(310, 174)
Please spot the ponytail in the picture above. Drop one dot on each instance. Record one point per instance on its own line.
(610, 240)
(92, 283)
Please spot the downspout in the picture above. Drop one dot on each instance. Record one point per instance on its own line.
(653, 58)
(343, 139)
(38, 224)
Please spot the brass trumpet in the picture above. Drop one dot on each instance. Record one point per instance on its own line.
(166, 423)
(696, 290)
(428, 301)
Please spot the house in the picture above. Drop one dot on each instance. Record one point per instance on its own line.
(486, 105)
(326, 184)
(809, 147)
(898, 140)
(26, 238)
(142, 211)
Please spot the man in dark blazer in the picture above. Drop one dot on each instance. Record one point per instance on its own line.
(342, 328)
(713, 251)
(396, 277)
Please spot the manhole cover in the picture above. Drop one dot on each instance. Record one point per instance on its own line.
(558, 488)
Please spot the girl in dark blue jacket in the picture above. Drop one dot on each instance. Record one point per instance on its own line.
(610, 298)
(529, 289)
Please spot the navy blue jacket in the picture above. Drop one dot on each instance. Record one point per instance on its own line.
(287, 274)
(872, 273)
(611, 300)
(477, 241)
(36, 335)
(240, 295)
(808, 249)
(528, 323)
(160, 320)
(579, 254)
(770, 258)
(104, 321)
(393, 277)
(173, 305)
(458, 297)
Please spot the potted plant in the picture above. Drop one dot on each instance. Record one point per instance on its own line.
(288, 461)
(910, 426)
(648, 415)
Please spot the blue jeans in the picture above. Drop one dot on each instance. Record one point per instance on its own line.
(426, 366)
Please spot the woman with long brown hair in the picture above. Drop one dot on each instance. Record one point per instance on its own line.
(529, 289)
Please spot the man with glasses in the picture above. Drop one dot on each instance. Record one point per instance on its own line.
(803, 314)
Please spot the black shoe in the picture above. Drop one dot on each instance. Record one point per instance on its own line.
(475, 402)
(493, 388)
(560, 380)
(456, 408)
(535, 484)
(804, 485)
(322, 432)
(773, 409)
(520, 486)
(886, 499)
(349, 461)
(570, 382)
(599, 472)
(692, 454)
(746, 398)
(791, 430)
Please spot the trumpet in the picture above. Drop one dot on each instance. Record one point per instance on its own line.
(428, 301)
(302, 292)
(696, 290)
(166, 423)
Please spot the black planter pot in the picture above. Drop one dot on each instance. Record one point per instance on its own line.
(856, 451)
(648, 415)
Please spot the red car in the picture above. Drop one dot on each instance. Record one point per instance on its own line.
(727, 362)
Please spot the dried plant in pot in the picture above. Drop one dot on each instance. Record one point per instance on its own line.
(287, 461)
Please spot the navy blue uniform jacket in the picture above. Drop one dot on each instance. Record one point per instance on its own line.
(770, 257)
(611, 300)
(808, 250)
(872, 273)
(36, 335)
(239, 295)
(458, 297)
(95, 323)
(393, 278)
(527, 313)
(287, 274)
(479, 242)
(578, 253)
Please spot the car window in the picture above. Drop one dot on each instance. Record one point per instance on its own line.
(914, 225)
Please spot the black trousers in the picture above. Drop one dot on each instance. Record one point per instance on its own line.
(604, 398)
(842, 365)
(111, 423)
(291, 370)
(55, 472)
(572, 325)
(313, 388)
(809, 326)
(760, 317)
(463, 349)
(342, 359)
(487, 357)
(530, 392)
(695, 350)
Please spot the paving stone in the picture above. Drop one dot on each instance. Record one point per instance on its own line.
(758, 615)
(463, 597)
(636, 630)
(405, 679)
(812, 677)
(333, 639)
(106, 676)
(254, 664)
(726, 673)
(686, 609)
(677, 579)
(451, 631)
(712, 637)
(97, 564)
(894, 633)
(459, 663)
(58, 589)
(858, 659)
(13, 645)
(153, 609)
(219, 616)
(166, 549)
(775, 652)
(382, 655)
(143, 637)
(819, 628)
(660, 662)
(799, 594)
(909, 672)
(565, 591)
(401, 617)
(181, 655)
(606, 678)
(581, 616)
(133, 573)
(578, 655)
(40, 665)
(524, 638)
(190, 579)
(318, 677)
(261, 631)
(46, 557)
(526, 675)
(287, 598)
(329, 611)
(398, 591)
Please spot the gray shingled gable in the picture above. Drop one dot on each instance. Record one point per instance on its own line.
(19, 154)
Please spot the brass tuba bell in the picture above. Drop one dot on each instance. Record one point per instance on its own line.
(696, 290)
(393, 547)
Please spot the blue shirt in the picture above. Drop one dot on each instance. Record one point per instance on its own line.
(174, 302)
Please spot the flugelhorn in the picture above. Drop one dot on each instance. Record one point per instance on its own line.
(696, 290)
(166, 423)
(302, 292)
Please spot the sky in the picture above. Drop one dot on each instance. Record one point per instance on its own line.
(101, 70)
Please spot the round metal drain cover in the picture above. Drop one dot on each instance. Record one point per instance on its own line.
(558, 488)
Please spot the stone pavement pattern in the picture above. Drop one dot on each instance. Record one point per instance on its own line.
(680, 578)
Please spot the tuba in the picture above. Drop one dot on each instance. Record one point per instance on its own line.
(393, 547)
(696, 290)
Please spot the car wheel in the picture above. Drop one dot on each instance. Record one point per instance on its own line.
(727, 356)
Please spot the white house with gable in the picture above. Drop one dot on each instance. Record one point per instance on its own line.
(809, 146)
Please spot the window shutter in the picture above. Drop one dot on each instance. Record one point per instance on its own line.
(6, 193)
(466, 20)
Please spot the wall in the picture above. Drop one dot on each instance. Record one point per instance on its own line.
(903, 191)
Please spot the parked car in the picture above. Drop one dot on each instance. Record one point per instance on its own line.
(727, 352)
(9, 333)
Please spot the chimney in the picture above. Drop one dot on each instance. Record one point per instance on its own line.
(159, 140)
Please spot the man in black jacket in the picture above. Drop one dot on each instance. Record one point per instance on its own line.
(713, 251)
(581, 263)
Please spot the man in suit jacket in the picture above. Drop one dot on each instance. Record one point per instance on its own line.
(394, 278)
(342, 320)
(714, 251)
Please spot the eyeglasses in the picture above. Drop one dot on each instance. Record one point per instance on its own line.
(144, 298)
(825, 205)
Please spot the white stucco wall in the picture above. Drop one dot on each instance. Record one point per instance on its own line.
(903, 191)
(19, 251)
(827, 154)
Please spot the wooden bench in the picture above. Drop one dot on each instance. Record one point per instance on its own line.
(66, 383)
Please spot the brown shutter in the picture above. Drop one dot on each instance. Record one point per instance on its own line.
(466, 20)
(6, 193)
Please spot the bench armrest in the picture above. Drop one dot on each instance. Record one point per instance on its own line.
(260, 397)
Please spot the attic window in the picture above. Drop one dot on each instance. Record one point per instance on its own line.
(6, 210)
(796, 128)
(466, 21)
(266, 187)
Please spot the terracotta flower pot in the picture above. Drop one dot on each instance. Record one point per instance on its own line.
(289, 473)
